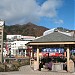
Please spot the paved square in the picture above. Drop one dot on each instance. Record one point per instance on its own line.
(26, 70)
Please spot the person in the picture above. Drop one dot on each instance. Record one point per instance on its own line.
(65, 66)
(50, 65)
(46, 65)
(40, 66)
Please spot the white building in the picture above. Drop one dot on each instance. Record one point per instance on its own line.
(13, 37)
(55, 29)
(15, 45)
(1, 38)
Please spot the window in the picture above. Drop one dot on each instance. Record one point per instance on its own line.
(0, 51)
(0, 46)
(0, 33)
(0, 37)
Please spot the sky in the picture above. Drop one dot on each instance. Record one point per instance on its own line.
(47, 13)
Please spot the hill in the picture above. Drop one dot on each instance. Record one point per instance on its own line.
(28, 29)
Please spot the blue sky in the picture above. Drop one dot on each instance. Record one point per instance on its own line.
(47, 13)
(65, 13)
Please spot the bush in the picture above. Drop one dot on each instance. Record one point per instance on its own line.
(25, 62)
(7, 68)
(3, 68)
(14, 66)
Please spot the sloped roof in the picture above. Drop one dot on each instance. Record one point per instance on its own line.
(55, 37)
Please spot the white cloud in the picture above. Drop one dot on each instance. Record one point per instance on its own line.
(59, 21)
(49, 8)
(22, 11)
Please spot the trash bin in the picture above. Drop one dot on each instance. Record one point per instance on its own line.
(32, 63)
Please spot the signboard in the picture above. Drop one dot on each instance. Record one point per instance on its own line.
(51, 50)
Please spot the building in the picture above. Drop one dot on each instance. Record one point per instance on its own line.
(54, 40)
(18, 48)
(69, 33)
(15, 45)
(1, 39)
(13, 37)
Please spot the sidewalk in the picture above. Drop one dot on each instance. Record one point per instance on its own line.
(26, 70)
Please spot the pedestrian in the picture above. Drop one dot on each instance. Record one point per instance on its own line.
(40, 66)
(50, 65)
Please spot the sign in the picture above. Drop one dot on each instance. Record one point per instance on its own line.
(52, 50)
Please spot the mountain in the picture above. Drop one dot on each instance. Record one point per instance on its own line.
(28, 29)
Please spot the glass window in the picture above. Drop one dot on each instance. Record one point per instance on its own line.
(0, 37)
(0, 46)
(0, 33)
